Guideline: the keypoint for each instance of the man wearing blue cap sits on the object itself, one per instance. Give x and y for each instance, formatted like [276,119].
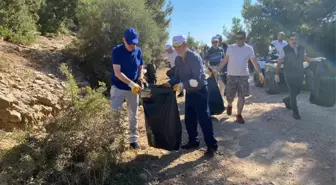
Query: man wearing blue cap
[189,75]
[127,62]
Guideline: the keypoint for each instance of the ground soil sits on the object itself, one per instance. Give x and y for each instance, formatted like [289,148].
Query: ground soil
[270,149]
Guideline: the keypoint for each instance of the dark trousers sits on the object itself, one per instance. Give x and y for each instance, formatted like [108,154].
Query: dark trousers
[197,110]
[294,86]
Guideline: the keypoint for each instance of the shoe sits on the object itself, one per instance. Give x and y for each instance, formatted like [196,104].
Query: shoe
[287,103]
[296,116]
[229,110]
[135,146]
[239,119]
[190,145]
[211,151]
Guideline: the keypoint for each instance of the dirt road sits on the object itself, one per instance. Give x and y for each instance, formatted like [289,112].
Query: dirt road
[270,149]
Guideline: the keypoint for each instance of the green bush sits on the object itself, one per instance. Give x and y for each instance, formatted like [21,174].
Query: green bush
[53,15]
[82,146]
[102,24]
[18,20]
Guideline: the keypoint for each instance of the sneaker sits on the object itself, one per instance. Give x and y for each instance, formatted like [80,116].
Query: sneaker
[296,116]
[135,146]
[287,103]
[211,151]
[190,145]
[239,119]
[229,110]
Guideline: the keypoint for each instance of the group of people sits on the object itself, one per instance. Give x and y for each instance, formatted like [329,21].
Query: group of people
[189,74]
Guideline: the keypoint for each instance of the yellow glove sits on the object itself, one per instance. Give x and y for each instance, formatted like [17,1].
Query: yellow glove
[143,80]
[134,87]
[178,87]
[166,84]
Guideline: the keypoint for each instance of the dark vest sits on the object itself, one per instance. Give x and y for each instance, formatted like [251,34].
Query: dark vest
[293,63]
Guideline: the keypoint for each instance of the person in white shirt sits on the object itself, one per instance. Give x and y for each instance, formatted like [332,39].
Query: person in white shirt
[237,57]
[280,43]
[170,55]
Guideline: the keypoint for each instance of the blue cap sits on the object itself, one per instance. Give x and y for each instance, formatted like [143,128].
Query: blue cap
[131,36]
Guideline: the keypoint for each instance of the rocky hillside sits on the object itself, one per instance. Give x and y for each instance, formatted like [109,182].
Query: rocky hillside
[31,87]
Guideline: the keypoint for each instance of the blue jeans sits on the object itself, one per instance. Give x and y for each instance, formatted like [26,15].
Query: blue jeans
[197,110]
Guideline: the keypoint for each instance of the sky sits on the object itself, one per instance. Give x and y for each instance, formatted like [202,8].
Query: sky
[203,18]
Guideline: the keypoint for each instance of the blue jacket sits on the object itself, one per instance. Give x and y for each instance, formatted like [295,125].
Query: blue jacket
[190,68]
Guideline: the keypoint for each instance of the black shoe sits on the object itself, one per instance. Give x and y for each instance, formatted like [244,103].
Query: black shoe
[211,151]
[135,146]
[190,145]
[287,103]
[296,116]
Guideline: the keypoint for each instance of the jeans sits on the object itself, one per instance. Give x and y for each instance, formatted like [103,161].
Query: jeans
[117,98]
[197,110]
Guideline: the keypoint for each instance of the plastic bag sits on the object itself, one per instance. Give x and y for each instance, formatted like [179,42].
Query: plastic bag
[163,124]
[324,88]
[216,104]
[323,93]
[151,74]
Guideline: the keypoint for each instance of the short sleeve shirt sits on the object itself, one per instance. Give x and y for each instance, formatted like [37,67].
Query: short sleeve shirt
[238,59]
[129,65]
[279,45]
[171,58]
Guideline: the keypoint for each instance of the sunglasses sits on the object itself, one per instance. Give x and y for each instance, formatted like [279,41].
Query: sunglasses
[240,38]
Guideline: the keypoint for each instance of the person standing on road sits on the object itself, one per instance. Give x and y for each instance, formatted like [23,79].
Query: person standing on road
[292,57]
[127,64]
[281,42]
[213,57]
[190,76]
[237,57]
[171,56]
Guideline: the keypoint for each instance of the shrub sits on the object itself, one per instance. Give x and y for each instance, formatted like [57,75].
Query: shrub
[102,24]
[18,20]
[81,147]
[53,15]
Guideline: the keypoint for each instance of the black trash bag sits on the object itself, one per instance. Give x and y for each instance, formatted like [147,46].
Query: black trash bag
[324,88]
[151,74]
[216,104]
[163,124]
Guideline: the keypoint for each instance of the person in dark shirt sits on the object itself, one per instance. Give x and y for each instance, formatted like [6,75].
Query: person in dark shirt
[292,57]
[213,57]
[222,44]
[190,76]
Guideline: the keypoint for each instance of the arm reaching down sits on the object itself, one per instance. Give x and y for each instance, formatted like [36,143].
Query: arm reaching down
[221,64]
